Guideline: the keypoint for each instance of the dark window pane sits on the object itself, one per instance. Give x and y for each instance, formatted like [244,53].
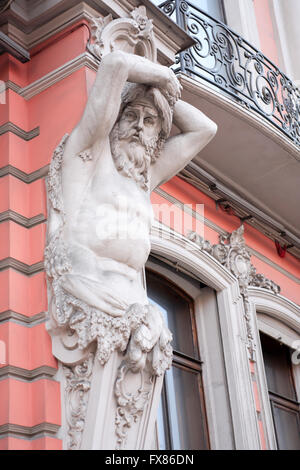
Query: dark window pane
[278,367]
[185,410]
[287,427]
[177,312]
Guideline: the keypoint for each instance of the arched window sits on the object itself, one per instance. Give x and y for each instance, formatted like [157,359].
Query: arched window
[282,393]
[182,418]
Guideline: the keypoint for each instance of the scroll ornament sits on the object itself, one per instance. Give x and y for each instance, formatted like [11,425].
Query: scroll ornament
[232,253]
[125,34]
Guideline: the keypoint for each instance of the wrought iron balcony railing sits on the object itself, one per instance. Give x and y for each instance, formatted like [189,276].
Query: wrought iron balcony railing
[231,63]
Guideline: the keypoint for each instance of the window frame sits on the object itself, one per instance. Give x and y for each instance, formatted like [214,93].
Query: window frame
[291,405]
[283,325]
[230,406]
[180,359]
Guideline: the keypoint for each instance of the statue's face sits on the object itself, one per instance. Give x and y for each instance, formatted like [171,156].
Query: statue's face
[140,119]
[135,140]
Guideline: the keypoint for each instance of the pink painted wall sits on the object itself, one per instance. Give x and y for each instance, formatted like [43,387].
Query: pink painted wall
[29,347]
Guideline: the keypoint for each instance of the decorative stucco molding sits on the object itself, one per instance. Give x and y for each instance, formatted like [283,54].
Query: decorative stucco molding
[24,268]
[76,398]
[232,253]
[82,60]
[130,406]
[134,35]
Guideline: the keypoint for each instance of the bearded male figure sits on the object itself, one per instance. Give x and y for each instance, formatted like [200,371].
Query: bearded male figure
[106,169]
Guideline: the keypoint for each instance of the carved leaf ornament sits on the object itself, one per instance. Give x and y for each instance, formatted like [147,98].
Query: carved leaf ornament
[133,35]
[232,253]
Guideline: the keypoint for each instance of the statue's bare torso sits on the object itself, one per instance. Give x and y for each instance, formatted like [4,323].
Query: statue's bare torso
[114,217]
[108,222]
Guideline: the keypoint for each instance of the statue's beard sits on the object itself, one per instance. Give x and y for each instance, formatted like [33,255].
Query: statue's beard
[133,158]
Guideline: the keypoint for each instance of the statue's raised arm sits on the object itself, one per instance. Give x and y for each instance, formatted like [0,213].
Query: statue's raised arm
[111,104]
[104,102]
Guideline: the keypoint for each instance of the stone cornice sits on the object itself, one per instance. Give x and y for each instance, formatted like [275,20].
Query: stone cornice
[28,431]
[21,175]
[21,220]
[42,372]
[31,28]
[21,319]
[9,45]
[25,135]
[23,268]
[12,86]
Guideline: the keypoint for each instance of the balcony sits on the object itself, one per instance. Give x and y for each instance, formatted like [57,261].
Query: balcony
[229,62]
[256,153]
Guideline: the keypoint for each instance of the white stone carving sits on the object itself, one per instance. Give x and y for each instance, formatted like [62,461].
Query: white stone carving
[100,216]
[97,26]
[76,399]
[129,405]
[232,253]
[133,35]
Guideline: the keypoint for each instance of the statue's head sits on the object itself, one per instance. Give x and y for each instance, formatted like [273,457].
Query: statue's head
[143,125]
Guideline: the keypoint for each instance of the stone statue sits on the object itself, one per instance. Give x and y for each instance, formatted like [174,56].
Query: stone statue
[99,187]
[98,240]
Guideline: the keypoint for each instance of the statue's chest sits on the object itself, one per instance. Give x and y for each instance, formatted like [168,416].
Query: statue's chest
[112,195]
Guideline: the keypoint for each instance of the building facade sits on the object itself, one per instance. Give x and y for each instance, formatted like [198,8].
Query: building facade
[225,245]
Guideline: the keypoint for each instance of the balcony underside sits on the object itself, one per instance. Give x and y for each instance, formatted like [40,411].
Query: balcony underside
[249,156]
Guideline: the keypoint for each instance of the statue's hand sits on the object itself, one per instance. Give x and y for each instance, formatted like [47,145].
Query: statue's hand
[171,86]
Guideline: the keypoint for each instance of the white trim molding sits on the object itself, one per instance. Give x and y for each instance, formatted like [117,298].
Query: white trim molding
[187,256]
[83,60]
